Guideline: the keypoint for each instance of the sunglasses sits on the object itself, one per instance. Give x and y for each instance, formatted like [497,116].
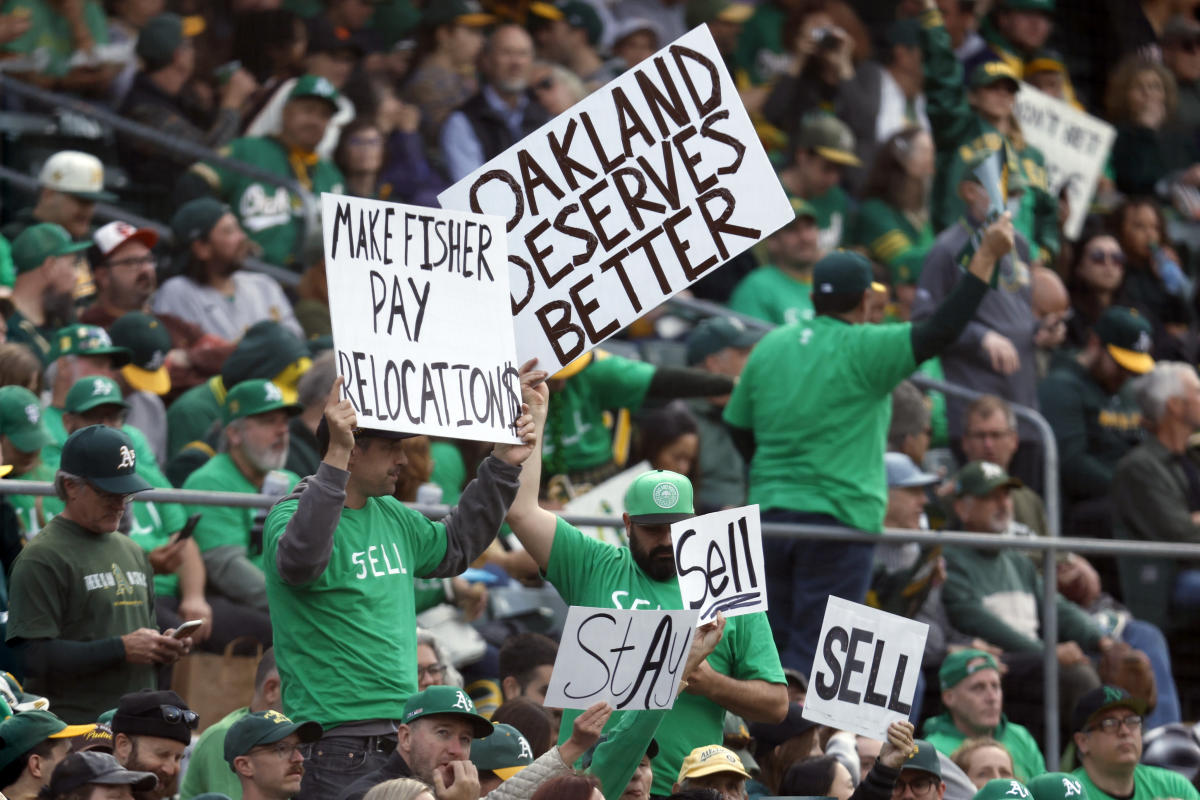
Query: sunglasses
[1100,256]
[173,715]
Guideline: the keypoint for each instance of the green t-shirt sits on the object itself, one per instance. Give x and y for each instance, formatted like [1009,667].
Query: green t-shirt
[773,295]
[1028,762]
[1149,783]
[51,33]
[587,572]
[221,526]
[69,583]
[449,471]
[357,618]
[207,769]
[891,238]
[817,396]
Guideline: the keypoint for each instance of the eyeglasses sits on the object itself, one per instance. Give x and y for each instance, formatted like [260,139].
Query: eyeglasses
[919,786]
[173,715]
[434,671]
[1100,256]
[138,261]
[1132,723]
[281,749]
[545,84]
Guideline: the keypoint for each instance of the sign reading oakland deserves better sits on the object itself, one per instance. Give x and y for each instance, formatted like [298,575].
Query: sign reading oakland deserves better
[633,194]
[418,298]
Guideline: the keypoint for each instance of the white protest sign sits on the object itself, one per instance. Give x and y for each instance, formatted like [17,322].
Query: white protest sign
[719,558]
[418,298]
[866,667]
[1075,144]
[605,499]
[630,659]
[634,193]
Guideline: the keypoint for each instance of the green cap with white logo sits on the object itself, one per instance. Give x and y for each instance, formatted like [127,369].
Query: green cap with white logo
[659,497]
[1003,789]
[315,86]
[446,700]
[92,391]
[981,478]
[88,340]
[1057,786]
[256,396]
[21,419]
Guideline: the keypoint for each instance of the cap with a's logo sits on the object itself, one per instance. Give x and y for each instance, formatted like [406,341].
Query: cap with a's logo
[659,497]
[21,419]
[1101,699]
[504,751]
[981,478]
[709,760]
[93,391]
[1126,336]
[317,87]
[148,340]
[446,700]
[265,727]
[88,340]
[255,396]
[73,172]
[103,457]
[1057,786]
[1003,789]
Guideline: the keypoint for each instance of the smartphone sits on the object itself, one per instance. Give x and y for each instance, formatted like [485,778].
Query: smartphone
[187,629]
[189,527]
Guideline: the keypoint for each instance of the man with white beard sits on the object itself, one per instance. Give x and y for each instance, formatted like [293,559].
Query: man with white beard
[254,448]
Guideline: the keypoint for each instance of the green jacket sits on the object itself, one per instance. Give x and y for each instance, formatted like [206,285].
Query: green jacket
[941,732]
[890,238]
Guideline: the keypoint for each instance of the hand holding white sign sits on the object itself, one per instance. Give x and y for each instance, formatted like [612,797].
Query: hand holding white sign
[719,558]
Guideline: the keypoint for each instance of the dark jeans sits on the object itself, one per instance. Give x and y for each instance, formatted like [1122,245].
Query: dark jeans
[801,575]
[332,763]
[230,621]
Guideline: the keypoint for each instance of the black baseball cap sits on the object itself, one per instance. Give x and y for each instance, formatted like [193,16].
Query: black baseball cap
[1101,699]
[105,458]
[95,768]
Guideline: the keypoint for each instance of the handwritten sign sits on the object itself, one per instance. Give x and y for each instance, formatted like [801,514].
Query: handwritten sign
[418,298]
[719,558]
[630,196]
[630,659]
[1075,144]
[865,673]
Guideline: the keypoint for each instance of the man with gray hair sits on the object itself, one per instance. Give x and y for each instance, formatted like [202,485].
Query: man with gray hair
[910,432]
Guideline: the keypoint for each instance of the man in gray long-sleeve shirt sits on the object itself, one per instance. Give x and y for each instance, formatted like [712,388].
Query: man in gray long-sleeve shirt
[340,554]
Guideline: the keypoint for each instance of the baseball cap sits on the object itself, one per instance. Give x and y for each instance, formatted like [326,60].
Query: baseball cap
[92,391]
[902,473]
[924,759]
[701,11]
[1126,336]
[960,665]
[163,713]
[265,727]
[148,342]
[104,458]
[802,208]
[256,396]
[73,172]
[318,87]
[659,497]
[504,751]
[456,12]
[579,14]
[21,732]
[829,137]
[99,738]
[1049,60]
[1057,786]
[1002,789]
[1101,699]
[980,478]
[195,218]
[21,419]
[708,760]
[91,767]
[446,700]
[325,37]
[88,340]
[541,9]
[162,36]
[38,242]
[1045,6]
[769,735]
[843,272]
[268,350]
[714,334]
[107,238]
[993,70]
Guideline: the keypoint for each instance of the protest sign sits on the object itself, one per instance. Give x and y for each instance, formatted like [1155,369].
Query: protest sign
[634,193]
[719,558]
[865,673]
[418,298]
[632,660]
[1075,144]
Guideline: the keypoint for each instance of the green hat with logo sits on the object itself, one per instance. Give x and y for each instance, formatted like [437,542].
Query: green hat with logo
[659,497]
[38,242]
[163,35]
[981,478]
[92,391]
[960,665]
[22,732]
[1003,789]
[580,14]
[104,457]
[149,342]
[318,87]
[267,350]
[21,419]
[504,751]
[255,396]
[88,340]
[994,70]
[924,759]
[1057,786]
[843,272]
[195,218]
[1044,6]
[1126,337]
[265,727]
[714,334]
[446,700]
[829,138]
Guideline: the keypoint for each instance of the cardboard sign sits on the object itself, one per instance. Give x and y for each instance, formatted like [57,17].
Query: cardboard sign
[719,558]
[634,193]
[630,659]
[1075,144]
[865,673]
[418,298]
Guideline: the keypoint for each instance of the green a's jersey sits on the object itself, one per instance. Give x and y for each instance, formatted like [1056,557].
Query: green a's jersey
[817,396]
[356,618]
[1149,783]
[70,583]
[891,238]
[221,526]
[271,215]
[771,294]
[1028,762]
[587,572]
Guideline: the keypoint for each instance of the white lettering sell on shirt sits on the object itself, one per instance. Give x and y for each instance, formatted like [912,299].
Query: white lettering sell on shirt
[375,560]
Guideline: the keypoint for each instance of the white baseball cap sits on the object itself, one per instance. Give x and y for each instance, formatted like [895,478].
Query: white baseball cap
[73,172]
[116,233]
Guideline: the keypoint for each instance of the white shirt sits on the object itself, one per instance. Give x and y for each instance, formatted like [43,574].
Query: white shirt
[255,298]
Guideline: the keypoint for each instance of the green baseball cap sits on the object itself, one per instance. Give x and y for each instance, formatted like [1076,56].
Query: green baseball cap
[92,391]
[659,497]
[88,340]
[148,340]
[714,334]
[104,457]
[1057,786]
[446,700]
[504,751]
[265,727]
[994,70]
[829,137]
[802,209]
[1126,337]
[255,396]
[21,419]
[38,242]
[579,14]
[924,759]
[1101,699]
[21,732]
[268,350]
[1044,6]
[843,272]
[981,478]
[195,218]
[318,87]
[163,35]
[456,12]
[1003,789]
[960,665]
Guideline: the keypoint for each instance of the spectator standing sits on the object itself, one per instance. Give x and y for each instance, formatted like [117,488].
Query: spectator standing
[264,749]
[43,299]
[824,148]
[151,730]
[781,292]
[35,742]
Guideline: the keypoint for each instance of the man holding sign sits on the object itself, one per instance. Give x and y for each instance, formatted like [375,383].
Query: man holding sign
[743,675]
